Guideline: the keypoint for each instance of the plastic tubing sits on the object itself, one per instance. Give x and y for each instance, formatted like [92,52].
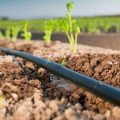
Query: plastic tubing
[99,88]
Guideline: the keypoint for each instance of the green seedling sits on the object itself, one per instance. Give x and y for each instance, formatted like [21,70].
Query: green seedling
[116,27]
[27,35]
[71,31]
[1,36]
[92,28]
[15,31]
[106,27]
[63,62]
[48,28]
[8,34]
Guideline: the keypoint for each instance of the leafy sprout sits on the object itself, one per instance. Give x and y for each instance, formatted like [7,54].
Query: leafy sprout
[1,36]
[48,28]
[15,31]
[27,35]
[67,27]
[92,28]
[63,62]
[8,34]
[70,6]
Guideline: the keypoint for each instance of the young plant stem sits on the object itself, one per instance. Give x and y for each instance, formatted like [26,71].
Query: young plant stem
[48,28]
[8,34]
[15,31]
[1,36]
[27,35]
[71,35]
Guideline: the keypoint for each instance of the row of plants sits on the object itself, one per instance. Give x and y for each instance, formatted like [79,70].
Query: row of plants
[99,26]
[68,26]
[13,32]
[90,25]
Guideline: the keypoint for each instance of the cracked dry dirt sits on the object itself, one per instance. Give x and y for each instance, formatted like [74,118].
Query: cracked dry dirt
[28,93]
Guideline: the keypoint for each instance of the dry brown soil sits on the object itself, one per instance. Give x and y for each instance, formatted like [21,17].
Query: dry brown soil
[28,92]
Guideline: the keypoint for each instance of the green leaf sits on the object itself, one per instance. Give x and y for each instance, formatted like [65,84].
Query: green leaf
[1,36]
[15,31]
[70,6]
[8,34]
[63,25]
[77,30]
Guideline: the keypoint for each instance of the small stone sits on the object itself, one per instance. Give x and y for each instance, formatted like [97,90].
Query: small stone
[116,112]
[30,65]
[53,105]
[70,114]
[34,83]
[110,62]
[108,114]
[42,72]
[1,74]
[1,93]
[63,101]
[99,117]
[15,96]
[87,113]
[17,82]
[49,113]
[2,113]
[78,106]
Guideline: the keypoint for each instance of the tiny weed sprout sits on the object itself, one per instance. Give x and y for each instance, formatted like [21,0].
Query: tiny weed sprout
[48,28]
[27,35]
[15,31]
[8,34]
[63,62]
[67,27]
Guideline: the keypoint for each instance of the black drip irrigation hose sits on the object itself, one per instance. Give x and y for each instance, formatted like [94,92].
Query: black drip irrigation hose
[101,89]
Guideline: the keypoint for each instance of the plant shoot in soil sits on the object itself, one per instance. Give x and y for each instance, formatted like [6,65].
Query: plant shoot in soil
[48,28]
[71,31]
[15,31]
[1,36]
[8,34]
[27,35]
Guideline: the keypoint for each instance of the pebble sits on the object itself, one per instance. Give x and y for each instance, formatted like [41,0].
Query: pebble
[108,114]
[99,117]
[116,112]
[42,72]
[1,74]
[70,114]
[15,96]
[30,65]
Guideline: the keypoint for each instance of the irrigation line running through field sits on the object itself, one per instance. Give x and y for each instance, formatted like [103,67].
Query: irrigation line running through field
[99,88]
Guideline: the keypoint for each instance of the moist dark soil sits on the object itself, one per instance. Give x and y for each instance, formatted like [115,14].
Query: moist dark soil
[28,92]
